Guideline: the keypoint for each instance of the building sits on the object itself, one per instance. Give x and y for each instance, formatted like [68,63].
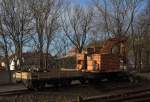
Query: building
[69,60]
[71,52]
[29,60]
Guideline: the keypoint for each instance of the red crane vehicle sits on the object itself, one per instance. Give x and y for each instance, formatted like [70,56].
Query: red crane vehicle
[92,65]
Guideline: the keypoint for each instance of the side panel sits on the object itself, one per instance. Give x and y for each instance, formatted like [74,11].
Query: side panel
[110,63]
[53,74]
[19,76]
[58,74]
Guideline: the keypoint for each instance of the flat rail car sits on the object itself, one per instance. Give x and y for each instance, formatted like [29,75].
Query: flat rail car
[53,77]
[109,62]
[59,78]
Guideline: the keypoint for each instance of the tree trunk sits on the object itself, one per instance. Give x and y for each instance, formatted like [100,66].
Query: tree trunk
[147,59]
[6,57]
[140,60]
[41,60]
[7,63]
[46,56]
[41,50]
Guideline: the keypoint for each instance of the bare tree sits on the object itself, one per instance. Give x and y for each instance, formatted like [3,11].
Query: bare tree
[77,24]
[17,23]
[4,43]
[118,16]
[140,40]
[45,15]
[60,45]
[52,26]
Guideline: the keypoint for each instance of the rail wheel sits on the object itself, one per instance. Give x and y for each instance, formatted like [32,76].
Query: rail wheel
[83,81]
[28,84]
[41,85]
[56,84]
[91,82]
[65,83]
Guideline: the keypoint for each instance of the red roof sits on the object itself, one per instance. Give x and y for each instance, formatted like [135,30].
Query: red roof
[30,54]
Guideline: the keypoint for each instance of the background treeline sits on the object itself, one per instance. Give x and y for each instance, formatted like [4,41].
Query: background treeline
[55,26]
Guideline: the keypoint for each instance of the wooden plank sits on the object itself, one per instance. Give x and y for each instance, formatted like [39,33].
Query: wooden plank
[79,66]
[80,56]
[90,68]
[90,62]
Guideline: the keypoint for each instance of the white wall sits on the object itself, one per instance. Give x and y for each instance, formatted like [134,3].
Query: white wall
[12,65]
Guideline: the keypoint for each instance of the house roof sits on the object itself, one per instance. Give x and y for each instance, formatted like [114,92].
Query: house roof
[30,54]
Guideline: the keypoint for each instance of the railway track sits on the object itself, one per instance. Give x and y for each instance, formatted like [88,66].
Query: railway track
[116,93]
[35,91]
[139,95]
[15,92]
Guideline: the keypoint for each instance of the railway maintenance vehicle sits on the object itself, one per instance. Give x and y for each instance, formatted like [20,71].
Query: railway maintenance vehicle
[92,65]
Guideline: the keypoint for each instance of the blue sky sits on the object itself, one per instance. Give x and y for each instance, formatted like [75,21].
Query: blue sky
[82,2]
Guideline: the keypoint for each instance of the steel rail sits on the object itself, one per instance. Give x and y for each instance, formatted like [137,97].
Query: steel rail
[135,95]
[15,92]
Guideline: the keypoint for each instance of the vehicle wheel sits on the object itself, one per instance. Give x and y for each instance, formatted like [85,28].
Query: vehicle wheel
[28,84]
[56,84]
[90,81]
[93,81]
[65,83]
[41,85]
[83,81]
